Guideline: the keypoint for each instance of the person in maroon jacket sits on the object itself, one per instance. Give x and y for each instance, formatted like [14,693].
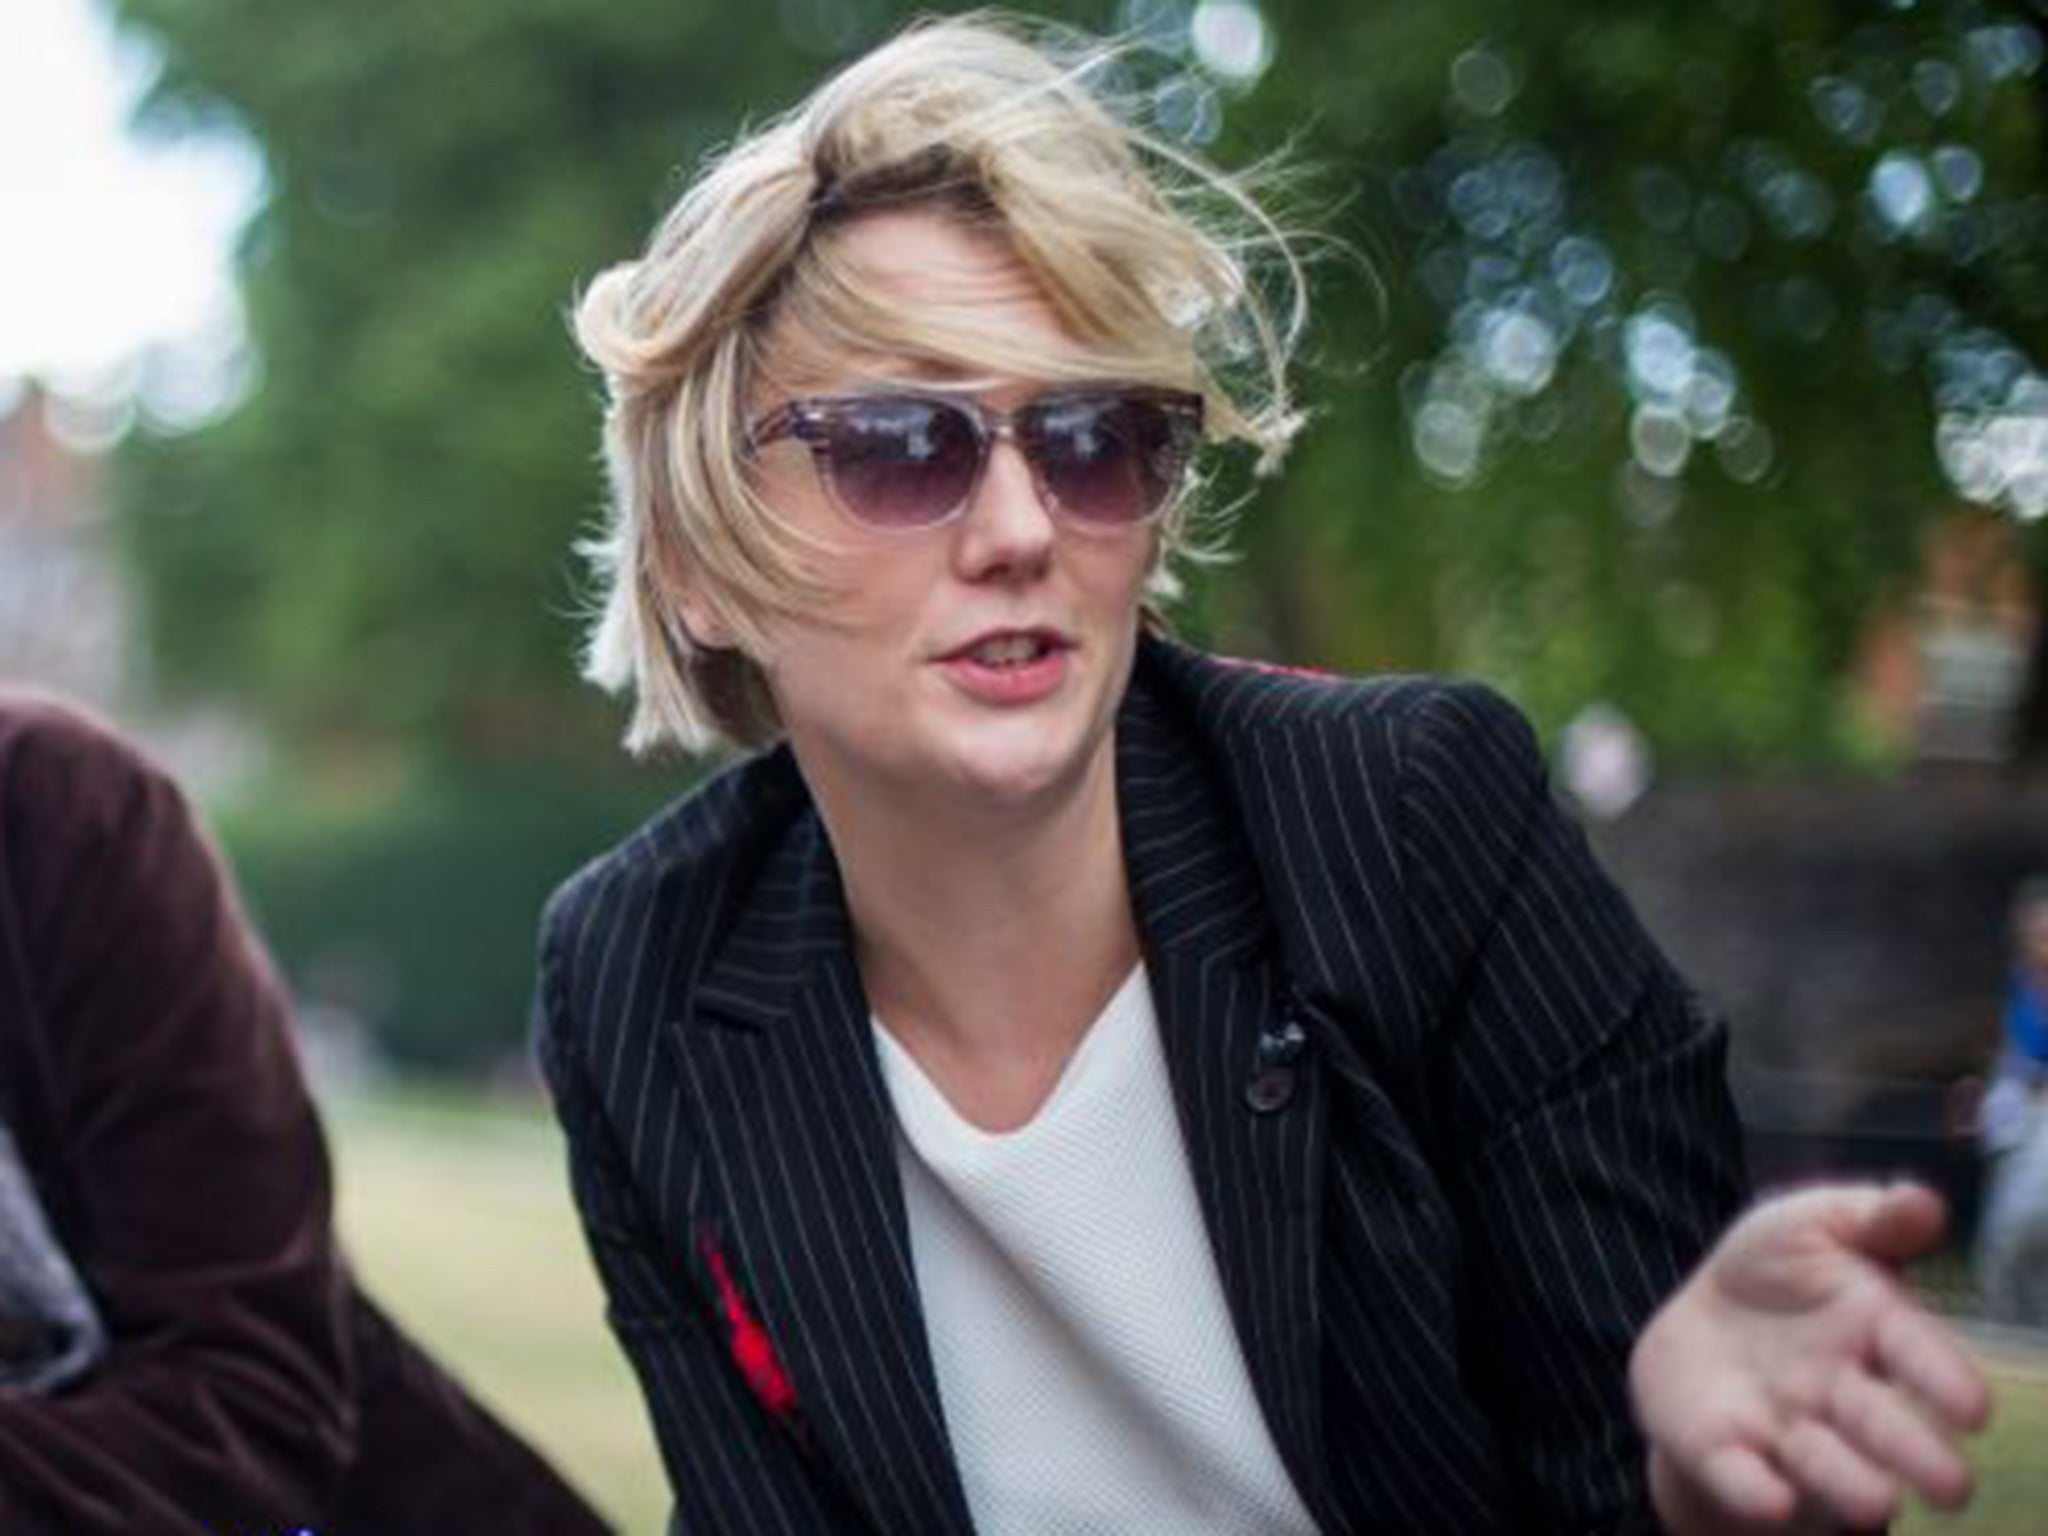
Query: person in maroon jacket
[182,1350]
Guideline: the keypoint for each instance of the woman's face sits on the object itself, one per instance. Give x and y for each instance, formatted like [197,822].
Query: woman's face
[910,684]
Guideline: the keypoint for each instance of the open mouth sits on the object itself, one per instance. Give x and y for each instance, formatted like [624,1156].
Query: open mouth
[1010,650]
[1011,666]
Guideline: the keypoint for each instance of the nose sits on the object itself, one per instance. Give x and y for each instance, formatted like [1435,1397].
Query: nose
[1007,530]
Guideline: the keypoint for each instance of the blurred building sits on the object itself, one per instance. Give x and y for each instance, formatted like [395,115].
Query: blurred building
[1942,673]
[67,608]
[64,612]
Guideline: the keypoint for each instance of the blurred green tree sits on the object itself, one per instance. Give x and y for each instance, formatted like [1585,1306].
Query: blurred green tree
[377,543]
[374,550]
[1682,321]
[1695,316]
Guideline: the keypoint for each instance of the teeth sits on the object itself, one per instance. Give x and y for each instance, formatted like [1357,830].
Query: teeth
[1008,651]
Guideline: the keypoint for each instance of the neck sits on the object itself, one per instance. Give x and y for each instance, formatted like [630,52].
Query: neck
[991,938]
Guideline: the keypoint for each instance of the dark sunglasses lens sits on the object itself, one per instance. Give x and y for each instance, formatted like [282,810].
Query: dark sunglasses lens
[1109,459]
[901,463]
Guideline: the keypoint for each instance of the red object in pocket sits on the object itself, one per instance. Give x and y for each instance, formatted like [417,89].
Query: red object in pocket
[748,1340]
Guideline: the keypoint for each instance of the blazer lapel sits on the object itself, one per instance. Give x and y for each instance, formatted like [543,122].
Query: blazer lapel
[807,1218]
[1256,1148]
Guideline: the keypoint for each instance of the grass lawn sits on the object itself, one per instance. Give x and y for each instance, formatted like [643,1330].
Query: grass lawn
[458,1218]
[2011,1459]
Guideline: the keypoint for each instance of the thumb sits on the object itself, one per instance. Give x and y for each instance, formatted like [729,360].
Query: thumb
[1898,1222]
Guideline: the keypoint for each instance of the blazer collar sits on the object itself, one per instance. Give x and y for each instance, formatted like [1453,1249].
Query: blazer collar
[1193,868]
[803,1143]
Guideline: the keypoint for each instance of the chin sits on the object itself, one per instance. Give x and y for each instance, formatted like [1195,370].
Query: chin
[1047,761]
[1003,781]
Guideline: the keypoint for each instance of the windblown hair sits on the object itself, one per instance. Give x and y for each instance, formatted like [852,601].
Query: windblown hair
[1157,263]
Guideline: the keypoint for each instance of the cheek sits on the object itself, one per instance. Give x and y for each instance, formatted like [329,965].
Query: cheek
[822,663]
[1117,575]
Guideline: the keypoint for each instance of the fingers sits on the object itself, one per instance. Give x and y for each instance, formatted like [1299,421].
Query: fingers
[1896,1223]
[1837,1475]
[1876,1421]
[1743,1484]
[1795,1371]
[1853,1464]
[1922,1354]
[1736,1493]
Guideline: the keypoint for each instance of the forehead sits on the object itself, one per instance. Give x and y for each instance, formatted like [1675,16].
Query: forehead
[919,292]
[926,257]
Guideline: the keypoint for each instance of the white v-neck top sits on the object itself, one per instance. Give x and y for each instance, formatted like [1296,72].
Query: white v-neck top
[1091,1378]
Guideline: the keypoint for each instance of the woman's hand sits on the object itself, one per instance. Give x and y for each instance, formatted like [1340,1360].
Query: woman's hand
[1793,1383]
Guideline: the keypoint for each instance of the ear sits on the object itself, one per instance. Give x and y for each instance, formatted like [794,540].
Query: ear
[701,622]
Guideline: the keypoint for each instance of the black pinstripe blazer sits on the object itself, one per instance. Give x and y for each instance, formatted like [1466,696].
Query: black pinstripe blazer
[1441,1207]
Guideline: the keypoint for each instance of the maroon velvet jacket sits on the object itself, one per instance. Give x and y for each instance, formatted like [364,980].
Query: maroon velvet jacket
[149,1078]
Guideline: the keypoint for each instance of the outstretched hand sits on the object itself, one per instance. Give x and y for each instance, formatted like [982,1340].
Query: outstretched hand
[1794,1383]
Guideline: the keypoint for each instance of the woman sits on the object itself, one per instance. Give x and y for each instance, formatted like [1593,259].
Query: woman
[1065,1082]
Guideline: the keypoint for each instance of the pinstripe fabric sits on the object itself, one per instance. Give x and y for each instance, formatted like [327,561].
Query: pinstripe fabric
[1507,1141]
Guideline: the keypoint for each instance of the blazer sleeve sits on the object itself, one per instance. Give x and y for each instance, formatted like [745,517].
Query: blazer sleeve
[643,1296]
[155,1089]
[1591,1145]
[727,1461]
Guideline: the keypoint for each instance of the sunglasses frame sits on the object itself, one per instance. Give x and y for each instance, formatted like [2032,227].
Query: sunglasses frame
[809,420]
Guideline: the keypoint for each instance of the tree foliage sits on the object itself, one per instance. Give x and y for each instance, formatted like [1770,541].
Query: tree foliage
[1676,324]
[378,541]
[1677,298]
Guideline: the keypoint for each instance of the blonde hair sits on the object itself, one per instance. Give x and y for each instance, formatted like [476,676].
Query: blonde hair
[1153,259]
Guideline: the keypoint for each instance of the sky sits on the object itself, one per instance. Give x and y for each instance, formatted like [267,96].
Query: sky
[110,245]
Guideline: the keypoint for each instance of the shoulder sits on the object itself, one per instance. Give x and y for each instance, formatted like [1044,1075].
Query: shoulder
[112,895]
[1352,790]
[682,872]
[69,780]
[1441,727]
[1346,786]
[60,751]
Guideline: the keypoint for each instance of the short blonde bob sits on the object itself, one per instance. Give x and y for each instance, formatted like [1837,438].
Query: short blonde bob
[1158,263]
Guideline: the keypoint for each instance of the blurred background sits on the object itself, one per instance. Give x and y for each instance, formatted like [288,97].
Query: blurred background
[1681,368]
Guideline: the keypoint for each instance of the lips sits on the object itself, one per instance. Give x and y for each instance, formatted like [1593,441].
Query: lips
[1007,667]
[1009,647]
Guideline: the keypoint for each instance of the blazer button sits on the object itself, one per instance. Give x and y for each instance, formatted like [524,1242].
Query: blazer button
[1282,1047]
[1271,1089]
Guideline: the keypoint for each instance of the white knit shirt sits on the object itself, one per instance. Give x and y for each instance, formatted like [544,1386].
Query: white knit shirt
[1091,1378]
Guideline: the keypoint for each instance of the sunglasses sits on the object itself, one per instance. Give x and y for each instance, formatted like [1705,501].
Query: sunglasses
[1101,459]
